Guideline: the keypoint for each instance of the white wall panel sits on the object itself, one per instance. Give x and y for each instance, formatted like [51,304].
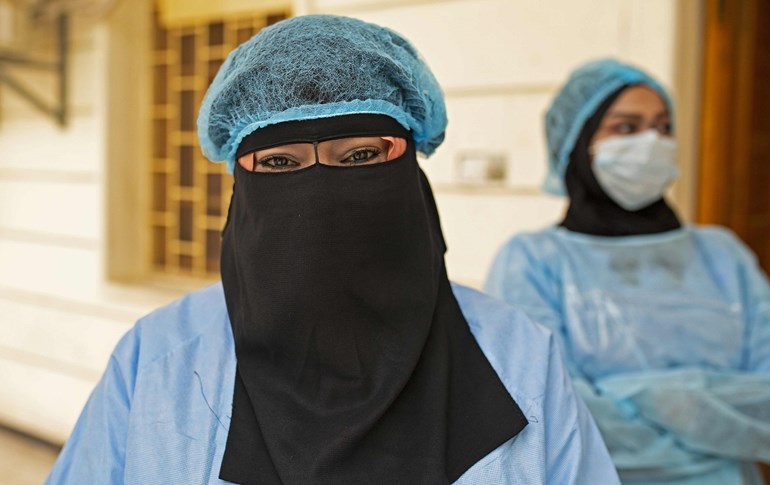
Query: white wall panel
[650,36]
[79,342]
[476,226]
[44,269]
[510,125]
[528,162]
[37,143]
[497,42]
[85,80]
[40,401]
[51,208]
[59,320]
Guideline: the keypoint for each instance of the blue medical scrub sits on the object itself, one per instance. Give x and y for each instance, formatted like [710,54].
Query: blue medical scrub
[161,412]
[667,337]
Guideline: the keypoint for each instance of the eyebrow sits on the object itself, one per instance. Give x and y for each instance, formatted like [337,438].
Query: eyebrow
[358,141]
[352,144]
[632,116]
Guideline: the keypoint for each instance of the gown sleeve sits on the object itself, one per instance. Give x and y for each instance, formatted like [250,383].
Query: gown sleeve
[517,277]
[561,444]
[575,451]
[95,451]
[757,303]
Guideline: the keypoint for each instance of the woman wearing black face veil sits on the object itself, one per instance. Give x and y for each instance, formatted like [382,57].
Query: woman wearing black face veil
[335,350]
[665,326]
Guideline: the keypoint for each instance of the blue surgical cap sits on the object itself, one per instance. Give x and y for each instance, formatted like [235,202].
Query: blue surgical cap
[585,90]
[319,66]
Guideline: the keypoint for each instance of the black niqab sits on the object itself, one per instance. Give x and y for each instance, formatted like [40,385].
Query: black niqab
[354,361]
[591,210]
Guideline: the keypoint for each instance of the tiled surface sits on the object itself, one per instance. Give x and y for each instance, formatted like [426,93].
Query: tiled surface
[23,460]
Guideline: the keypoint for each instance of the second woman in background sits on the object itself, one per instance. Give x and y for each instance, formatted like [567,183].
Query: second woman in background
[665,326]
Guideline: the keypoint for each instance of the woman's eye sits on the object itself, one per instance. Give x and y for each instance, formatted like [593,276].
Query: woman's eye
[362,155]
[624,128]
[278,162]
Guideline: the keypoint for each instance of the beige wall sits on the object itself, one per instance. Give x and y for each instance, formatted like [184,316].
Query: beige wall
[71,200]
[59,316]
[51,203]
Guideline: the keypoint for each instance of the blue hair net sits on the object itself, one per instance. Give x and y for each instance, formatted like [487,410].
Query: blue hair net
[586,89]
[319,66]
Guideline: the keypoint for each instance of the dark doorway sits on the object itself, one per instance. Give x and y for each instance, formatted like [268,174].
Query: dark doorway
[734,178]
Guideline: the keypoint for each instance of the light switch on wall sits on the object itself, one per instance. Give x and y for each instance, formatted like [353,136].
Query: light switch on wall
[479,168]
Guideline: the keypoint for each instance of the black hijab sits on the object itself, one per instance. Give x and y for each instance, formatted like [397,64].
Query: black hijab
[354,361]
[591,210]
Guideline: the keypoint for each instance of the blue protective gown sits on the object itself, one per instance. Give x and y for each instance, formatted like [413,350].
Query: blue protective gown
[161,412]
[667,337]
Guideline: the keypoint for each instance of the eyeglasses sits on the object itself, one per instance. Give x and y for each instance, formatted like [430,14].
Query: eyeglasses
[343,152]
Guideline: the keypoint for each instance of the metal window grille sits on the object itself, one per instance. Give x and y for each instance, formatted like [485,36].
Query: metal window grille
[190,195]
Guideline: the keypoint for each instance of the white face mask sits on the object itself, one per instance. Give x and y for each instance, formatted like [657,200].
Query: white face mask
[634,170]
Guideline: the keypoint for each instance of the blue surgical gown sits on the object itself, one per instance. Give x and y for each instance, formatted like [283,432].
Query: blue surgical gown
[161,412]
[667,338]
